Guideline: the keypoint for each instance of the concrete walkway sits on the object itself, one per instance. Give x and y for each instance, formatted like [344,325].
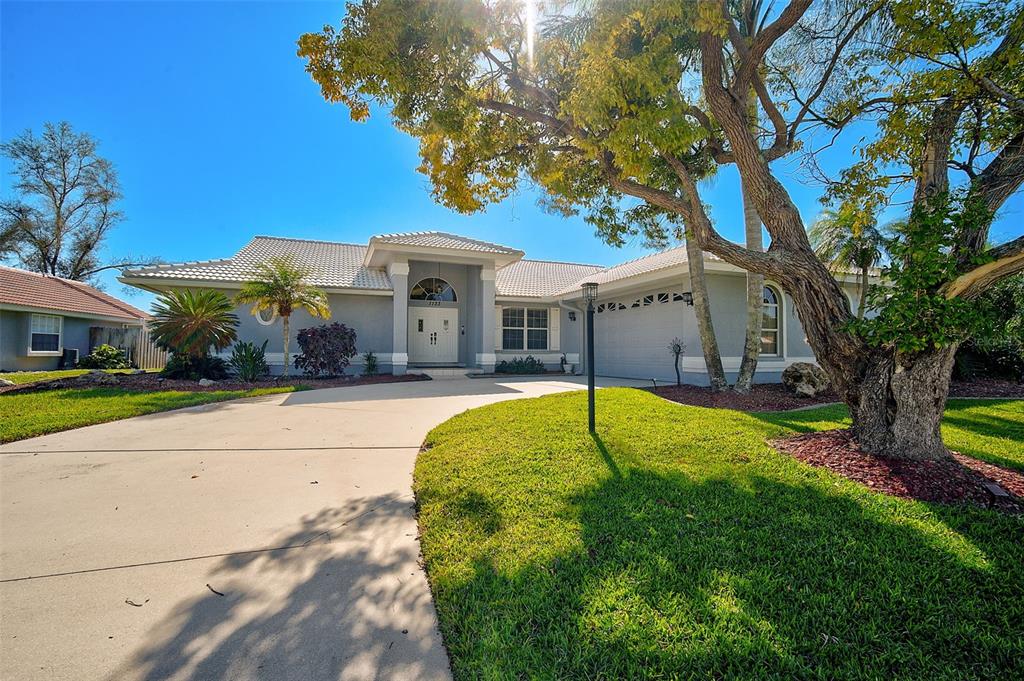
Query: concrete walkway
[270,538]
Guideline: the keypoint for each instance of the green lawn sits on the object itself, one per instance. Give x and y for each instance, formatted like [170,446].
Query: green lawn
[34,376]
[679,545]
[27,414]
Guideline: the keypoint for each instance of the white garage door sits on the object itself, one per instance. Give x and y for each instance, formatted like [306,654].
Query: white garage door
[631,335]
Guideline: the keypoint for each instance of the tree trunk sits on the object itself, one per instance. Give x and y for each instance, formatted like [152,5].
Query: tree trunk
[901,404]
[702,308]
[285,326]
[755,301]
[679,379]
[863,293]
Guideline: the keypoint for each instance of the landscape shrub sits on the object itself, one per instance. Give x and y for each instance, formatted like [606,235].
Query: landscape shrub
[187,367]
[326,350]
[249,361]
[520,365]
[105,357]
[370,364]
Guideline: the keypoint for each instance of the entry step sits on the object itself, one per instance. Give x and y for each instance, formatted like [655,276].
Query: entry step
[441,373]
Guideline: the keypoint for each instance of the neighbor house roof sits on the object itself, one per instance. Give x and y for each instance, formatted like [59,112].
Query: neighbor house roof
[39,291]
[332,264]
[540,278]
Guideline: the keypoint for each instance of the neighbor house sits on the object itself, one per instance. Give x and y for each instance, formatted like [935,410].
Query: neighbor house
[431,299]
[47,322]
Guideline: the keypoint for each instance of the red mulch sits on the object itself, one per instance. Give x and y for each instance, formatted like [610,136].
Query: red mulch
[954,481]
[775,396]
[763,397]
[152,382]
[986,387]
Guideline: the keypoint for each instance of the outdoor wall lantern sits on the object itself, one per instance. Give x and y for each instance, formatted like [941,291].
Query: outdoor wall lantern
[572,316]
[688,297]
[590,295]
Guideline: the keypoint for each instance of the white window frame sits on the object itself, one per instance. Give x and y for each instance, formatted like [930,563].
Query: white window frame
[60,336]
[779,321]
[526,328]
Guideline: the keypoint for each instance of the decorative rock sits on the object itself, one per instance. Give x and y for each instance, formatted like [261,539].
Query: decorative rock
[4,381]
[136,372]
[205,382]
[97,377]
[805,379]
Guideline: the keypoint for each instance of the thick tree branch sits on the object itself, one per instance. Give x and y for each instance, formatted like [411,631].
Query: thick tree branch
[1007,260]
[767,37]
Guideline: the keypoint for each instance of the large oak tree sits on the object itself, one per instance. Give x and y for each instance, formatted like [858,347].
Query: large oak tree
[618,109]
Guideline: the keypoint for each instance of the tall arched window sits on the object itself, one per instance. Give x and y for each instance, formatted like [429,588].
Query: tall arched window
[770,322]
[434,289]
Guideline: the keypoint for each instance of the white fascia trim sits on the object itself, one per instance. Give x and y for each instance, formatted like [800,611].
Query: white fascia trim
[154,284]
[733,363]
[130,321]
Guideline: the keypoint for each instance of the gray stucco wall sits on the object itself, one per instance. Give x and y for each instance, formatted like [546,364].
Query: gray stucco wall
[14,340]
[370,316]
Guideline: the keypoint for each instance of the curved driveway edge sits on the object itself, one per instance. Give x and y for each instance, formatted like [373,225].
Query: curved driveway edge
[266,538]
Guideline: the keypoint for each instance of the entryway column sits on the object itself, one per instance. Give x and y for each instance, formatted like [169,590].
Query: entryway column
[486,358]
[399,273]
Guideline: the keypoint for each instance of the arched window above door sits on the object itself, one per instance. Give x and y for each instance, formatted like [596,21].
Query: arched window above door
[434,289]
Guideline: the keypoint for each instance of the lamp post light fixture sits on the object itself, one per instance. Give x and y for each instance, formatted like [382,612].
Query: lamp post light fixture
[590,295]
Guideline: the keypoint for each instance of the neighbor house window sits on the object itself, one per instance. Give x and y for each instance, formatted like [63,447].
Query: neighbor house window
[45,333]
[770,322]
[524,328]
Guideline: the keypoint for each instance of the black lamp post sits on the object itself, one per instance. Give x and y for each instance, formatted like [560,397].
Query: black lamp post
[590,295]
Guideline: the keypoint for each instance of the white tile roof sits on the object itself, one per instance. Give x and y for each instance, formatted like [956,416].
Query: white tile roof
[339,265]
[538,278]
[333,265]
[662,260]
[444,240]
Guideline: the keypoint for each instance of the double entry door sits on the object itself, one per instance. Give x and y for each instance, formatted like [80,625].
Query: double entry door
[433,335]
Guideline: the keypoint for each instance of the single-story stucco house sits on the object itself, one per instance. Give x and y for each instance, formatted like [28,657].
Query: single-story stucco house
[42,317]
[432,299]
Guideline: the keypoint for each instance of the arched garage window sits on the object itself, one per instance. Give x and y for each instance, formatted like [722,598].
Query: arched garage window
[435,289]
[770,324]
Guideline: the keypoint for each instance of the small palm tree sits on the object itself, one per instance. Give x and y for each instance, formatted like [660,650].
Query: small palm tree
[190,322]
[843,240]
[279,284]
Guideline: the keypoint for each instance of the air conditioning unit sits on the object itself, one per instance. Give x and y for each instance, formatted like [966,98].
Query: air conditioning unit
[69,359]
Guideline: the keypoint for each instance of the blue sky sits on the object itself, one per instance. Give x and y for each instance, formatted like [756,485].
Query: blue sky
[218,134]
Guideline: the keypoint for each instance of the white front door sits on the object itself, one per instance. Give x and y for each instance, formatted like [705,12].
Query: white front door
[434,334]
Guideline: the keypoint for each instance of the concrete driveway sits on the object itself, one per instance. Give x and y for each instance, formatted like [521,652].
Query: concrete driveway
[270,538]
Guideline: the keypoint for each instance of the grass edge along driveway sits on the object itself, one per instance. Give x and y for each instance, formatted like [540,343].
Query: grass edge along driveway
[678,544]
[28,414]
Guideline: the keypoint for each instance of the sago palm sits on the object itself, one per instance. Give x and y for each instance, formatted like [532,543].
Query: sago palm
[190,322]
[280,285]
[844,242]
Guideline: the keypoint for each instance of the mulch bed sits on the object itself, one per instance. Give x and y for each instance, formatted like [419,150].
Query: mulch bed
[151,382]
[764,397]
[775,396]
[986,387]
[959,480]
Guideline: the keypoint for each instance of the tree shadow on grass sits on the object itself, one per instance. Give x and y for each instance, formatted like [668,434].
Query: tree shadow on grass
[350,603]
[743,575]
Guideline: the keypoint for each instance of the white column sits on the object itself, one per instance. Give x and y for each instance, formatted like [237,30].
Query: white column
[486,358]
[399,273]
